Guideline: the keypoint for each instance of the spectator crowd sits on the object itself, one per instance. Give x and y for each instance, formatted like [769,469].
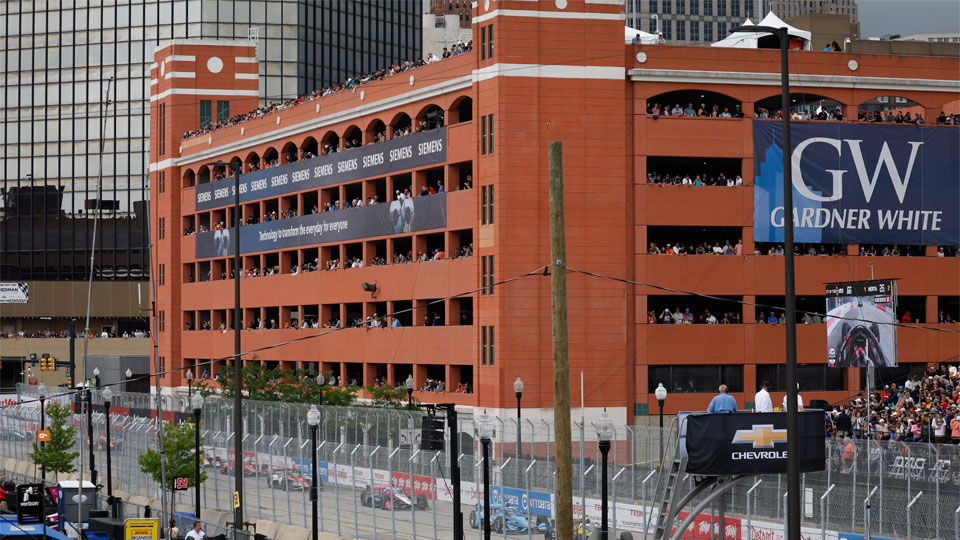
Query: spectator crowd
[696,180]
[6,334]
[924,408]
[351,84]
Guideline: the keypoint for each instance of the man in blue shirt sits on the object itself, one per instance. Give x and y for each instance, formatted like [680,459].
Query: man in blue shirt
[722,402]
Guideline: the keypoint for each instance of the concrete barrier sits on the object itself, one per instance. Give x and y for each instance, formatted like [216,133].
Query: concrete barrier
[267,528]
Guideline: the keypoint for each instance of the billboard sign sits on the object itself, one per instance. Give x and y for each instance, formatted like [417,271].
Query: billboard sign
[859,183]
[395,217]
[14,293]
[861,323]
[751,443]
[397,154]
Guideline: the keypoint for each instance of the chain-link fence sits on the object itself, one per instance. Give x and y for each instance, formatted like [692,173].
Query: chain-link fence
[367,456]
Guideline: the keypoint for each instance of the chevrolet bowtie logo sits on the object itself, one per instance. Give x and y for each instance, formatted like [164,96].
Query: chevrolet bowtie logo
[762,436]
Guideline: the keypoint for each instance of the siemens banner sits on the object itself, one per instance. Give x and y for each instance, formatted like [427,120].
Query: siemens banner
[398,154]
[859,183]
[394,217]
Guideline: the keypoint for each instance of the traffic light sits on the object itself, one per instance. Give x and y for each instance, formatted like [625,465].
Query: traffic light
[69,380]
[43,362]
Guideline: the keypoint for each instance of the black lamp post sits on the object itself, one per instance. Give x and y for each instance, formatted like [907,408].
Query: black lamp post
[409,383]
[313,419]
[237,362]
[518,389]
[605,432]
[107,396]
[661,394]
[42,393]
[789,289]
[129,374]
[96,377]
[485,429]
[189,376]
[197,401]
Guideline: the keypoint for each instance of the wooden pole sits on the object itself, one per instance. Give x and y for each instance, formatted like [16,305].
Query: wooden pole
[561,362]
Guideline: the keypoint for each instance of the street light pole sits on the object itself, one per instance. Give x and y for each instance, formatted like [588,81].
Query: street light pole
[189,376]
[237,363]
[107,396]
[93,470]
[661,394]
[518,389]
[96,377]
[197,401]
[789,290]
[313,419]
[485,430]
[605,432]
[42,393]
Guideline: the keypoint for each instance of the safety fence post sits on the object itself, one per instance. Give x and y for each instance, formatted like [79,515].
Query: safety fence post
[910,513]
[824,509]
[646,510]
[749,509]
[529,515]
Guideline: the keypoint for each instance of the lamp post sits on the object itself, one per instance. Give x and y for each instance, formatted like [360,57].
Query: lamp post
[96,377]
[237,378]
[42,393]
[661,394]
[197,401]
[605,432]
[129,374]
[189,376]
[409,383]
[313,418]
[518,389]
[789,289]
[107,396]
[485,430]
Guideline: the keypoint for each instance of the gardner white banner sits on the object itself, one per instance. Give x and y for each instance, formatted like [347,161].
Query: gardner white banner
[14,293]
[859,183]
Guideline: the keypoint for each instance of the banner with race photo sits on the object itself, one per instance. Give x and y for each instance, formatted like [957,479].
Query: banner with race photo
[859,183]
[381,159]
[395,217]
[861,323]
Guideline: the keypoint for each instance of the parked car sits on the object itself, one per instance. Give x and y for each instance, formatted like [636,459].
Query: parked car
[507,517]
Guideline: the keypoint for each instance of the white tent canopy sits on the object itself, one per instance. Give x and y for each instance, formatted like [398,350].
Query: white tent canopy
[751,40]
[645,37]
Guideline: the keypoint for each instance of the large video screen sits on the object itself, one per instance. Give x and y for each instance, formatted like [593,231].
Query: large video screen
[861,323]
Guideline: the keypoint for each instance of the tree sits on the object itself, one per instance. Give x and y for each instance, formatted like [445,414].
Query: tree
[389,397]
[55,456]
[261,383]
[179,445]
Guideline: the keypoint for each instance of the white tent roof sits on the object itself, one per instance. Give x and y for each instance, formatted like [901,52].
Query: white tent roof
[749,40]
[645,37]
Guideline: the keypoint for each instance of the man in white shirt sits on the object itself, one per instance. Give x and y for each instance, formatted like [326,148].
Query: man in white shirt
[196,533]
[762,401]
[799,401]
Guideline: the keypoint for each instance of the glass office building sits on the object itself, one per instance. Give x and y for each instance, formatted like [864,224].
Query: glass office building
[55,59]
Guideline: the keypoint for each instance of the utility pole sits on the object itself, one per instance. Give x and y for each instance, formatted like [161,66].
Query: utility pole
[561,362]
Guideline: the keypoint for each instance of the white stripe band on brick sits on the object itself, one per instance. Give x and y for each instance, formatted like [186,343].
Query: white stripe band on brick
[180,75]
[251,76]
[548,71]
[153,82]
[203,92]
[798,79]
[180,58]
[548,15]
[160,165]
[245,59]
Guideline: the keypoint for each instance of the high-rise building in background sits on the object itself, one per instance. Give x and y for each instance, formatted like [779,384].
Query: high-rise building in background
[706,21]
[56,58]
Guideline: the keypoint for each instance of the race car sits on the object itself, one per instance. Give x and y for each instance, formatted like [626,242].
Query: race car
[591,531]
[854,335]
[388,497]
[288,481]
[509,518]
[101,444]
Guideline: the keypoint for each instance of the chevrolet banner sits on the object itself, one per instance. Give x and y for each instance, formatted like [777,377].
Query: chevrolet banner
[751,443]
